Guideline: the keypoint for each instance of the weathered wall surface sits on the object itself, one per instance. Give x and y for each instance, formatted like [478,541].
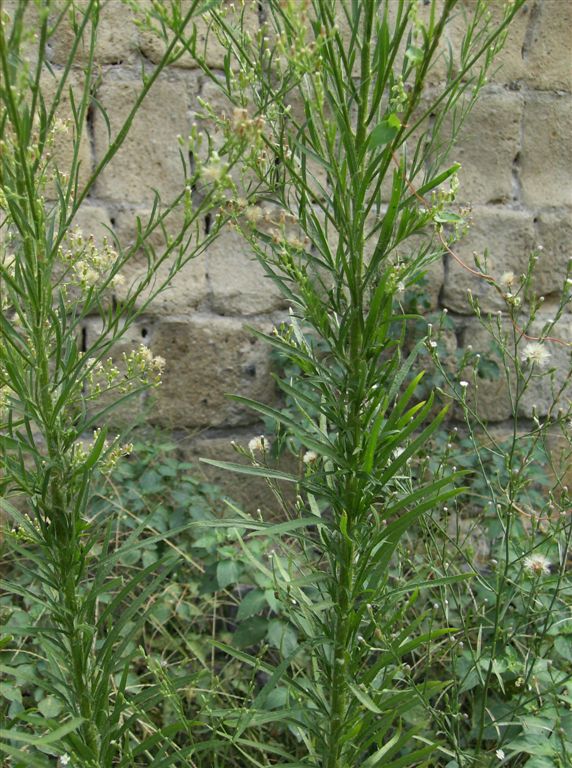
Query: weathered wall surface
[516,154]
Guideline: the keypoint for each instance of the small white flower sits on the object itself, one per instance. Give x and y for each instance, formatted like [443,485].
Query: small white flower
[433,344]
[117,280]
[65,760]
[258,444]
[500,754]
[507,279]
[537,565]
[310,457]
[400,286]
[464,384]
[215,170]
[535,354]
[253,214]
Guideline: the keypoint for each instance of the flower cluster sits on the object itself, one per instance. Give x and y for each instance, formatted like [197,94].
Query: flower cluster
[245,126]
[142,366]
[88,265]
[215,171]
[103,376]
[5,392]
[259,444]
[110,454]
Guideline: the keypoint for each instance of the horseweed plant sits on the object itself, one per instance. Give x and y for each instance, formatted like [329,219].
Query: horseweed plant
[511,664]
[343,164]
[57,389]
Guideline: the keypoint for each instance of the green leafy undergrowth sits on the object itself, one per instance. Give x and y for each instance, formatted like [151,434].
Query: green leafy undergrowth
[157,507]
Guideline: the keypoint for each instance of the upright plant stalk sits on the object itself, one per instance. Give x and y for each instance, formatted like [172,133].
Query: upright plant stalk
[55,435]
[333,104]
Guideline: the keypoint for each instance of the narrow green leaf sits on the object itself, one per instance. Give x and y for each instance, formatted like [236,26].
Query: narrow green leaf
[374,761]
[365,699]
[41,741]
[248,470]
[25,759]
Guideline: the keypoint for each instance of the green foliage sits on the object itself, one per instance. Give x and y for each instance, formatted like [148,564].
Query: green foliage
[148,623]
[340,136]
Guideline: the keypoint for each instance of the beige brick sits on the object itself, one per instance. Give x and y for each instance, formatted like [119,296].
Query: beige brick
[237,282]
[487,146]
[546,50]
[509,238]
[117,36]
[508,65]
[489,395]
[185,291]
[209,357]
[93,219]
[549,391]
[546,159]
[149,158]
[555,236]
[207,44]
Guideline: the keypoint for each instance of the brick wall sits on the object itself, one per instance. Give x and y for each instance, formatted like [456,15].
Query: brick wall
[516,153]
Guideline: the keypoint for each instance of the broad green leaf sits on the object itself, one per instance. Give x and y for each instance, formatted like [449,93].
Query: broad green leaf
[50,706]
[282,636]
[384,132]
[252,603]
[227,572]
[414,54]
[24,759]
[250,632]
[365,699]
[448,217]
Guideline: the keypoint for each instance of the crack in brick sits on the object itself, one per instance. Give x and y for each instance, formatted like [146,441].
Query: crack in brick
[533,22]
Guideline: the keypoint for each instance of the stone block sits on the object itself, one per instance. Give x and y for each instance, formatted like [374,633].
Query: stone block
[185,290]
[237,282]
[94,220]
[555,237]
[488,395]
[546,50]
[508,236]
[207,358]
[117,35]
[149,158]
[28,48]
[508,66]
[428,290]
[487,146]
[561,455]
[208,46]
[548,387]
[546,160]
